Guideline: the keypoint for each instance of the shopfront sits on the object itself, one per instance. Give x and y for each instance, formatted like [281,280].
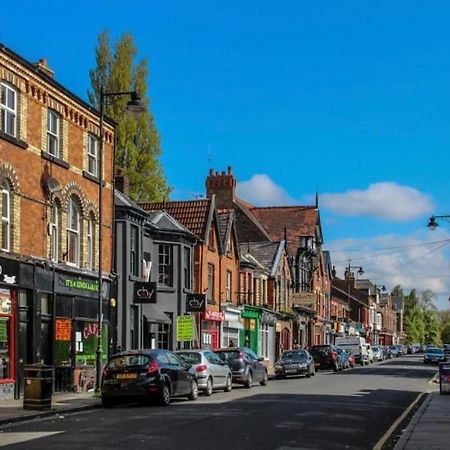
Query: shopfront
[210,329]
[9,271]
[76,330]
[249,336]
[231,327]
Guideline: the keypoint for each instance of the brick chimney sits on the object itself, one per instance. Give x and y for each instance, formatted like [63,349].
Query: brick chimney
[223,185]
[121,181]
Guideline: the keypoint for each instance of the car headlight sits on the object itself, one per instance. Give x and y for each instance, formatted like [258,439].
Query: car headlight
[278,366]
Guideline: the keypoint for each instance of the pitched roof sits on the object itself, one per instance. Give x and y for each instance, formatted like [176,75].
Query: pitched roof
[225,218]
[297,220]
[193,214]
[345,289]
[248,228]
[264,252]
[163,221]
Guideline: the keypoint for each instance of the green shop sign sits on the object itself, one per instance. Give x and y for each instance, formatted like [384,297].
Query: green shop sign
[72,285]
[185,328]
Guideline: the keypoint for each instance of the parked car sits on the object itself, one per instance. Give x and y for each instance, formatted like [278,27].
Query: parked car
[434,355]
[295,362]
[447,349]
[246,367]
[211,372]
[395,350]
[326,357]
[343,356]
[147,375]
[378,353]
[370,353]
[357,345]
[388,351]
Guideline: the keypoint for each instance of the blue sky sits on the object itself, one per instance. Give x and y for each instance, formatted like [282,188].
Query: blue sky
[348,98]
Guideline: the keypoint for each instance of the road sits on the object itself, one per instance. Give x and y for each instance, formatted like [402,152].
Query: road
[347,410]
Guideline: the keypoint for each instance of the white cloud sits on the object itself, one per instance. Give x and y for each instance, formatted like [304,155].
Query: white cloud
[384,200]
[414,261]
[260,190]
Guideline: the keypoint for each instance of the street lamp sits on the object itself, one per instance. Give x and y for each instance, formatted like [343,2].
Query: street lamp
[432,223]
[350,267]
[135,106]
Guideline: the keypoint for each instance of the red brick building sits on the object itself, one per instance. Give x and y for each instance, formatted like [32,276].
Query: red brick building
[50,226]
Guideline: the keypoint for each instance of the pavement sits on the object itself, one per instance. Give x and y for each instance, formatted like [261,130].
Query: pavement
[62,402]
[429,427]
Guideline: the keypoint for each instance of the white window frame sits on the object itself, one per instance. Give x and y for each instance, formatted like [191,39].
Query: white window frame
[90,242]
[53,133]
[6,217]
[73,215]
[54,224]
[92,150]
[8,111]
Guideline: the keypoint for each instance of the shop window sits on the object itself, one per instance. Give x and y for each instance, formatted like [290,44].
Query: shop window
[8,110]
[73,233]
[265,340]
[6,217]
[86,343]
[165,274]
[5,342]
[163,336]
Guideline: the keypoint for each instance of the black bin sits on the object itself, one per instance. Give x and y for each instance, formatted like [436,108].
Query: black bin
[38,387]
[444,377]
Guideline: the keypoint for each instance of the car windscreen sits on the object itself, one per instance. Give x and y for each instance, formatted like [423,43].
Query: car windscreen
[296,356]
[190,357]
[128,361]
[435,351]
[319,349]
[228,355]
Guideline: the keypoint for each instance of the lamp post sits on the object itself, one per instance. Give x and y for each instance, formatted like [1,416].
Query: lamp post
[134,106]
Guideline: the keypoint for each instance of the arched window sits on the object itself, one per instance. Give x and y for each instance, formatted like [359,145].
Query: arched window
[90,242]
[6,217]
[73,232]
[54,224]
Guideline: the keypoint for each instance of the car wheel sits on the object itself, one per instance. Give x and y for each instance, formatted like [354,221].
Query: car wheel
[209,387]
[107,402]
[193,395]
[249,381]
[313,370]
[228,384]
[308,373]
[164,395]
[265,379]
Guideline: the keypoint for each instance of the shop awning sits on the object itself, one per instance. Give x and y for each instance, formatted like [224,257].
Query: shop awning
[154,314]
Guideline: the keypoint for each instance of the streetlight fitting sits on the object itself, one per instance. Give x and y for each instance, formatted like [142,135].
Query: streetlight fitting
[360,271]
[135,106]
[432,224]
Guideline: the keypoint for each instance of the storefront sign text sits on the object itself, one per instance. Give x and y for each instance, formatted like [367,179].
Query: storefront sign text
[63,329]
[81,284]
[185,328]
[145,292]
[214,315]
[195,302]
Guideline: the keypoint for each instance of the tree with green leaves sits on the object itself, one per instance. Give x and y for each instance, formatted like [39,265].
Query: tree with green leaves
[444,317]
[138,145]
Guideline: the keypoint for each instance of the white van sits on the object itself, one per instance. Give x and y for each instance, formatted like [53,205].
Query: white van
[357,345]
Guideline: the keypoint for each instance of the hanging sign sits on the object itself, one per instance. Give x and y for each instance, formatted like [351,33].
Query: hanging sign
[195,302]
[5,301]
[144,292]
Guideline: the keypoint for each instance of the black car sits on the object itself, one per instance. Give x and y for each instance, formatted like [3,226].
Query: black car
[246,367]
[147,375]
[326,357]
[295,362]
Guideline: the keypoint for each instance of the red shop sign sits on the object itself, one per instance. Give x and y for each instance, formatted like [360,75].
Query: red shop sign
[214,315]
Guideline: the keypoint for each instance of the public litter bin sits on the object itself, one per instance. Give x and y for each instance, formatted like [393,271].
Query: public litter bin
[38,387]
[444,378]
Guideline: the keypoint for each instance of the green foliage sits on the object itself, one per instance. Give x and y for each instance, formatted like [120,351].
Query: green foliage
[444,317]
[138,145]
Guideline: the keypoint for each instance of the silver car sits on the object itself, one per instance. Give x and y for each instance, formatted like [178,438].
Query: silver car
[210,371]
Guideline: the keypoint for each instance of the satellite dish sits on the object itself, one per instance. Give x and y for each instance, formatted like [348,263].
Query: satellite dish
[52,185]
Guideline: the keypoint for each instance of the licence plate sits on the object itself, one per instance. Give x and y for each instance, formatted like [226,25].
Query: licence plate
[291,370]
[126,376]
